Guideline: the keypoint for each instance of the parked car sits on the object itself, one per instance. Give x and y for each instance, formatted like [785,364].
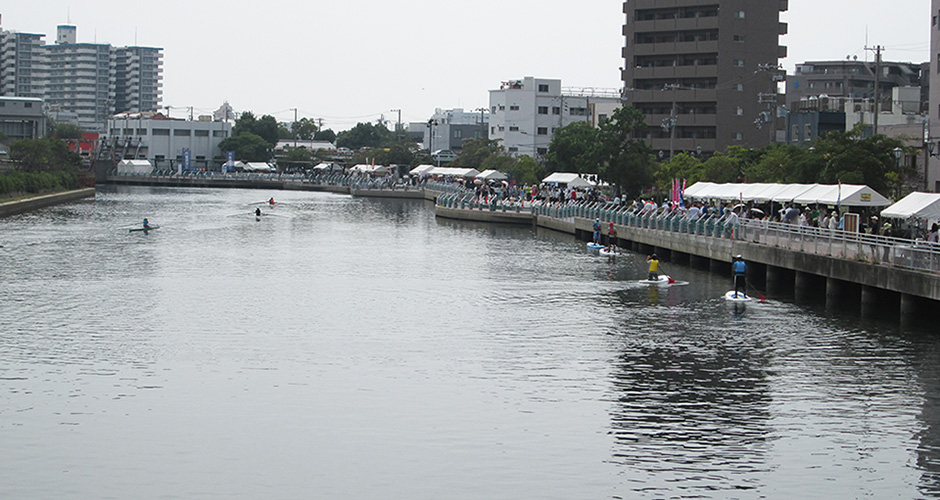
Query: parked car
[444,156]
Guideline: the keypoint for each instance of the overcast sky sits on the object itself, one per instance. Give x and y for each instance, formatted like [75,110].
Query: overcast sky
[353,60]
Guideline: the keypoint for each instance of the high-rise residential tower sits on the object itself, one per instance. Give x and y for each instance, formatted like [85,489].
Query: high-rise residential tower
[704,72]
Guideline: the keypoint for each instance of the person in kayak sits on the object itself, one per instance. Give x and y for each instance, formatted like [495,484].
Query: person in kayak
[271,201]
[258,212]
[654,267]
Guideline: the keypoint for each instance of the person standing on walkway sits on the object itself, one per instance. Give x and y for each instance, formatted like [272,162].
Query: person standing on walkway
[739,270]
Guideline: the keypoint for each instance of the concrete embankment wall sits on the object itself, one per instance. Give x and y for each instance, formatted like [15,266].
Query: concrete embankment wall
[485,215]
[17,207]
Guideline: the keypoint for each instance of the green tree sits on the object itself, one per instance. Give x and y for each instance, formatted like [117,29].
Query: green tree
[248,147]
[625,162]
[477,150]
[848,158]
[284,133]
[304,129]
[680,166]
[526,170]
[575,148]
[43,155]
[325,135]
[365,135]
[266,127]
[67,131]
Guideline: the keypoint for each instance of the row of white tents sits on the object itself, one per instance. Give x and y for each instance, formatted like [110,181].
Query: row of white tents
[852,195]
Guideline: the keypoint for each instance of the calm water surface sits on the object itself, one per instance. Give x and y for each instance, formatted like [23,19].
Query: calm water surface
[359,348]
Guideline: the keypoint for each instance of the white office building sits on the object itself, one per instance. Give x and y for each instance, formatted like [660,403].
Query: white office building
[163,141]
[525,114]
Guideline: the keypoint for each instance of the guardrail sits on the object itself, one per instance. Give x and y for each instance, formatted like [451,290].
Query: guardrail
[860,247]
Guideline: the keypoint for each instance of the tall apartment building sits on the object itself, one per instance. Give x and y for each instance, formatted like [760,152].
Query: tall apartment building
[704,72]
[525,114]
[87,80]
[932,137]
[22,68]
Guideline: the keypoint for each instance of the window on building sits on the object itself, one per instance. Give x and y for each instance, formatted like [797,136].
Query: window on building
[739,111]
[543,87]
[542,151]
[27,104]
[3,104]
[807,132]
[738,136]
[141,131]
[514,107]
[513,129]
[738,63]
[513,149]
[543,110]
[795,133]
[738,38]
[502,128]
[201,133]
[161,131]
[218,133]
[494,109]
[502,107]
[542,131]
[181,132]
[556,110]
[458,133]
[739,14]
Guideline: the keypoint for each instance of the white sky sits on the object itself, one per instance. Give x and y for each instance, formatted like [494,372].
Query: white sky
[353,60]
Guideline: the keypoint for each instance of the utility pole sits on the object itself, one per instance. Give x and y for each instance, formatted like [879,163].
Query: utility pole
[770,99]
[398,127]
[669,124]
[294,126]
[877,50]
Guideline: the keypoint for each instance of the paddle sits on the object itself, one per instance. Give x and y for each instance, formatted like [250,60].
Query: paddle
[671,281]
[760,295]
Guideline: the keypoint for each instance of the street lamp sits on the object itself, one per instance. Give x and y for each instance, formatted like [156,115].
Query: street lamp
[898,154]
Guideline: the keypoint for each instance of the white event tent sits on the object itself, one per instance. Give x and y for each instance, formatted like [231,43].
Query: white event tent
[568,179]
[920,205]
[370,169]
[421,169]
[134,167]
[852,195]
[454,172]
[492,175]
[256,166]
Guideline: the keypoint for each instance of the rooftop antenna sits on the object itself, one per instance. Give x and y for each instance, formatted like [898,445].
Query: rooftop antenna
[68,15]
[135,36]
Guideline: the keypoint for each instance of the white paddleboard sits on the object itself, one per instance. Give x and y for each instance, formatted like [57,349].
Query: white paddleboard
[594,246]
[609,253]
[662,280]
[737,297]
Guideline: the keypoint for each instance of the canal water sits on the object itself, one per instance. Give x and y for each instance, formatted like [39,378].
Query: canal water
[360,348]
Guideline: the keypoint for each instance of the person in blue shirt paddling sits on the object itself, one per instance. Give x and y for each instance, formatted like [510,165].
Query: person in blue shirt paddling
[597,231]
[146,223]
[739,269]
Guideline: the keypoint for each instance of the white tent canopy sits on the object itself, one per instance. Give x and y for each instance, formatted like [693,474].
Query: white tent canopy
[454,172]
[492,175]
[134,167]
[922,205]
[421,169]
[852,195]
[254,166]
[567,178]
[370,169]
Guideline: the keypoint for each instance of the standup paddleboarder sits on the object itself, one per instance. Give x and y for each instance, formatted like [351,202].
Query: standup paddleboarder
[654,267]
[597,231]
[739,269]
[146,223]
[611,237]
